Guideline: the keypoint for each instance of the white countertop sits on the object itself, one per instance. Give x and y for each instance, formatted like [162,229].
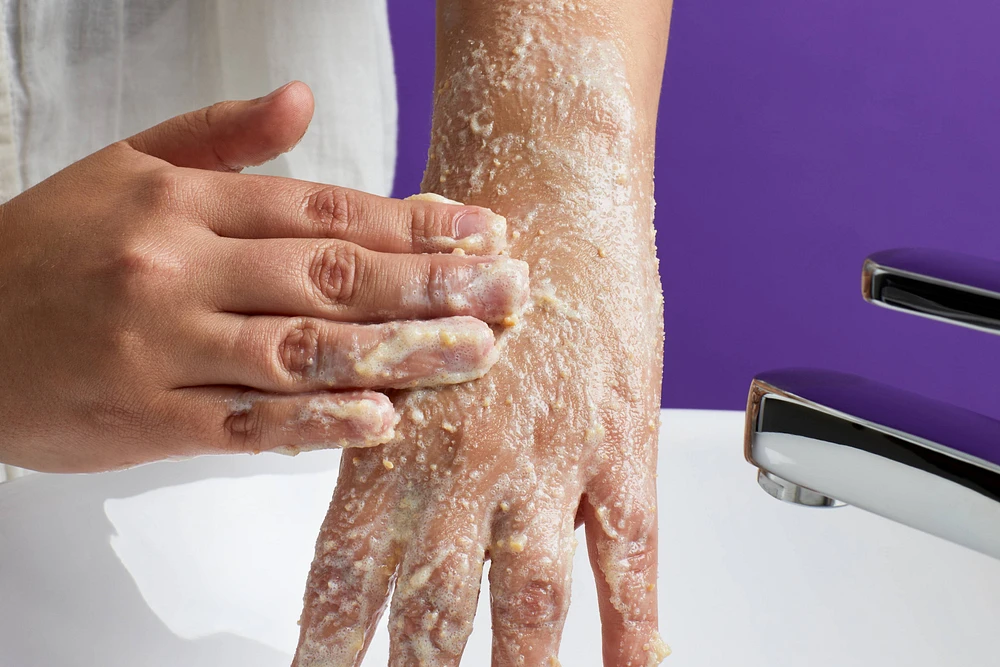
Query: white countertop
[202,564]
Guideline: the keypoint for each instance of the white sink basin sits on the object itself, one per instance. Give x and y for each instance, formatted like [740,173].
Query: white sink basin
[202,564]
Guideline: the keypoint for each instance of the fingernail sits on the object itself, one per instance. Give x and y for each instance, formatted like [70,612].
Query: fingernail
[477,230]
[471,222]
[274,93]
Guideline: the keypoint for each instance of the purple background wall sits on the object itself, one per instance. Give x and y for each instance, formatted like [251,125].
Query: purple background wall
[795,138]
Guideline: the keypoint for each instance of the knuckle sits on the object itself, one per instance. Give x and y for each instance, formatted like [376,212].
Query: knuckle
[424,227]
[141,269]
[634,577]
[298,351]
[540,602]
[163,189]
[199,123]
[204,124]
[160,190]
[639,559]
[333,209]
[438,280]
[334,273]
[243,428]
[127,412]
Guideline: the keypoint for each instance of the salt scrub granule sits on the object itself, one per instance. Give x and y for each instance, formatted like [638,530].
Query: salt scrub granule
[545,297]
[517,543]
[657,650]
[417,416]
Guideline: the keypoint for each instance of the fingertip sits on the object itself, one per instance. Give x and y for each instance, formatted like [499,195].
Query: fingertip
[287,113]
[493,289]
[475,353]
[451,226]
[639,645]
[509,280]
[367,417]
[479,231]
[296,98]
[446,351]
[467,335]
[358,419]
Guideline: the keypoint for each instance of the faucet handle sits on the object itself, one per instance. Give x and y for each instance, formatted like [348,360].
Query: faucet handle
[946,286]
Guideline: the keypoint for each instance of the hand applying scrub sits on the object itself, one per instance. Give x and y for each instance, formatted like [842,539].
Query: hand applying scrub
[155,302]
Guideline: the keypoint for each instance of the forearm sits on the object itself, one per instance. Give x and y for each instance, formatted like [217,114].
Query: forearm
[537,94]
[545,111]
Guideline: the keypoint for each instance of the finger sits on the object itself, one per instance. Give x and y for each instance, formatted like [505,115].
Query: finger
[620,520]
[532,553]
[228,136]
[226,420]
[341,281]
[268,207]
[351,575]
[279,354]
[438,588]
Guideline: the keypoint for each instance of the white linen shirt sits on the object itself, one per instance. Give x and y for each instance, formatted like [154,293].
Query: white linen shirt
[77,75]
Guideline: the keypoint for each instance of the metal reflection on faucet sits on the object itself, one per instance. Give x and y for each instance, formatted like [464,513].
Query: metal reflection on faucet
[820,439]
[944,286]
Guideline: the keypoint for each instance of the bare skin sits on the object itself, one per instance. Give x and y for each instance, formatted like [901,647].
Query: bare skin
[156,303]
[545,111]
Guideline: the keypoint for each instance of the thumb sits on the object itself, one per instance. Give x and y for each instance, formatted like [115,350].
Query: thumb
[228,136]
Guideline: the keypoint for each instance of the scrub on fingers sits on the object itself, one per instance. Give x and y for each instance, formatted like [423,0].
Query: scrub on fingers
[158,303]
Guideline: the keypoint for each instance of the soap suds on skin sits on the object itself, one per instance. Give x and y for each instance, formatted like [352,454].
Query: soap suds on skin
[464,346]
[348,419]
[490,290]
[405,354]
[498,448]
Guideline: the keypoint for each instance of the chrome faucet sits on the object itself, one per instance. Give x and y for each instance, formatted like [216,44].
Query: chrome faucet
[825,439]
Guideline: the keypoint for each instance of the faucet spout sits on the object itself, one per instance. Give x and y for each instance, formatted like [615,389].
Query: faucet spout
[824,439]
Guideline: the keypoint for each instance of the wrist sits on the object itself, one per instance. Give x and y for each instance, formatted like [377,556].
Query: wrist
[535,104]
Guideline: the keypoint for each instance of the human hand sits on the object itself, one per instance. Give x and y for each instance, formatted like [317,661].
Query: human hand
[544,111]
[563,426]
[154,303]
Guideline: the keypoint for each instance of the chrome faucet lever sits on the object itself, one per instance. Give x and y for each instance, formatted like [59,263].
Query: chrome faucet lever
[954,288]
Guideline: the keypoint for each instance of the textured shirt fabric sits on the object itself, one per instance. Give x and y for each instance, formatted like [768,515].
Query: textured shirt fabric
[77,75]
